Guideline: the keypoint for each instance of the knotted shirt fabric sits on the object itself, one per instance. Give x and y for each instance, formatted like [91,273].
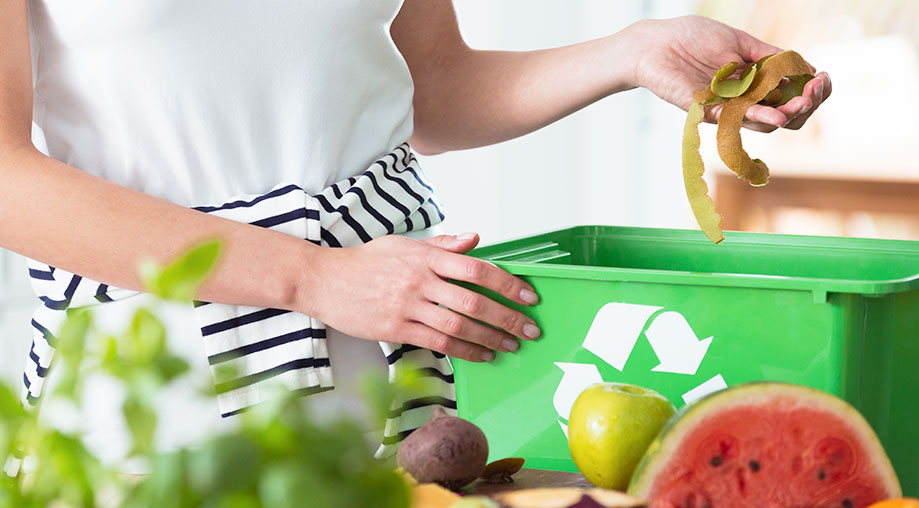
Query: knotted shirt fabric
[266,347]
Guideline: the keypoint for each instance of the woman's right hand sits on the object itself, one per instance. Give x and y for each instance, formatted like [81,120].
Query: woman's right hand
[396,289]
[676,57]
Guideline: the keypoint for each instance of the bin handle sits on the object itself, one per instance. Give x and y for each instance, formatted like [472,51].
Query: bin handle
[536,253]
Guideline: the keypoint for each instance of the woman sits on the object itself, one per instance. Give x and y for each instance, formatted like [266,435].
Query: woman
[151,108]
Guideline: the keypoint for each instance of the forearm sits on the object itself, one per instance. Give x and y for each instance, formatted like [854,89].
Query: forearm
[70,219]
[485,97]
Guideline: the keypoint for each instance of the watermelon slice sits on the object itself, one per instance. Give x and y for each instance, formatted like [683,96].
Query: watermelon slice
[766,445]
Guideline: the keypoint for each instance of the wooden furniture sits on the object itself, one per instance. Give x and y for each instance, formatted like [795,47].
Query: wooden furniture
[743,205]
[529,479]
[843,185]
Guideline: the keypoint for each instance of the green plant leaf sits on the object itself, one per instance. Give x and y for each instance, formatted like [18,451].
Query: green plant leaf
[165,486]
[145,340]
[141,420]
[279,456]
[238,500]
[66,473]
[381,394]
[180,279]
[73,333]
[227,463]
[110,361]
[384,488]
[71,346]
[287,485]
[170,366]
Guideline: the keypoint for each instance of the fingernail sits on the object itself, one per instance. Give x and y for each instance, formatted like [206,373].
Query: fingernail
[531,331]
[528,296]
[465,236]
[487,356]
[510,344]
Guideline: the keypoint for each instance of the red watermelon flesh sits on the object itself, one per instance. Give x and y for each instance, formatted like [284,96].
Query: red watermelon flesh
[766,445]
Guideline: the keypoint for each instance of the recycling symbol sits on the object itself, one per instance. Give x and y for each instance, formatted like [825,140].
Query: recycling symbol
[615,330]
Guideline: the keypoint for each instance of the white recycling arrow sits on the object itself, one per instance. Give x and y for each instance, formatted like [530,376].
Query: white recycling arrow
[712,385]
[675,344]
[576,377]
[613,334]
[615,330]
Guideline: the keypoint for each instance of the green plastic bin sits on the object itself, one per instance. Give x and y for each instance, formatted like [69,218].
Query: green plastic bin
[669,310]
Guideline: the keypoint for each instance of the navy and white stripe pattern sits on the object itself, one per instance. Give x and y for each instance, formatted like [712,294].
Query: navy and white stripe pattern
[265,347]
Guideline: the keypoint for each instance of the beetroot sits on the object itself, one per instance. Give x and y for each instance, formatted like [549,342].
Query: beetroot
[445,450]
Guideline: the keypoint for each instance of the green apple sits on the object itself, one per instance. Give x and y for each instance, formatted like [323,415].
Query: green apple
[610,427]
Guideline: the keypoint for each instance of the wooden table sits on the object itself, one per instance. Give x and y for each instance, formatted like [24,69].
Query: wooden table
[529,479]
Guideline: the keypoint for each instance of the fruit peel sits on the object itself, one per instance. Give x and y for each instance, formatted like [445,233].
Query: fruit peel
[568,497]
[502,471]
[702,206]
[431,495]
[772,80]
[905,502]
[726,88]
[730,146]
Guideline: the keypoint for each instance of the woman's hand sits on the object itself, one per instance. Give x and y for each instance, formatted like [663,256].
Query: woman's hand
[677,57]
[395,289]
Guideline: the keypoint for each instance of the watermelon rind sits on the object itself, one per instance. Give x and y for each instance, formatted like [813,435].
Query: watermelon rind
[683,423]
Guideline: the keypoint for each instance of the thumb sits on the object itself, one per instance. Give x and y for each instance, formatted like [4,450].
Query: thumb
[459,244]
[752,49]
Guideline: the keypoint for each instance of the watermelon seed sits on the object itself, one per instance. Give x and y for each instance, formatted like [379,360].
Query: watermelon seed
[847,503]
[821,475]
[754,466]
[716,461]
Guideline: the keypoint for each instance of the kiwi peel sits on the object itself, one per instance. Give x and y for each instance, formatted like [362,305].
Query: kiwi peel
[773,81]
[724,88]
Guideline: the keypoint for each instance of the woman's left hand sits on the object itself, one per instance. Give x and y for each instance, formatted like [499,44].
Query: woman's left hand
[679,56]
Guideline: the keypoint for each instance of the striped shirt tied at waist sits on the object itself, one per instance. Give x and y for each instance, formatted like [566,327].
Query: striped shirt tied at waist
[266,347]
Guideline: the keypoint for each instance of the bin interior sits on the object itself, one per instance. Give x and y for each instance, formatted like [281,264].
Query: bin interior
[780,256]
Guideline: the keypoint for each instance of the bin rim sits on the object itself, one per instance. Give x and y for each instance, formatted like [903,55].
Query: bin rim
[495,252]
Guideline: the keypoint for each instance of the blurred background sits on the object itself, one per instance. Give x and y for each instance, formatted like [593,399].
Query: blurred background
[848,172]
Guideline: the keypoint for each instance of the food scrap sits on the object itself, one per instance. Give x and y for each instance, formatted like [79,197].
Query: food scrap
[502,471]
[446,450]
[568,497]
[772,81]
[816,450]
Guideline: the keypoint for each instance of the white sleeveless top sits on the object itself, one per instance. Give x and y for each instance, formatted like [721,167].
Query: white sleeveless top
[196,101]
